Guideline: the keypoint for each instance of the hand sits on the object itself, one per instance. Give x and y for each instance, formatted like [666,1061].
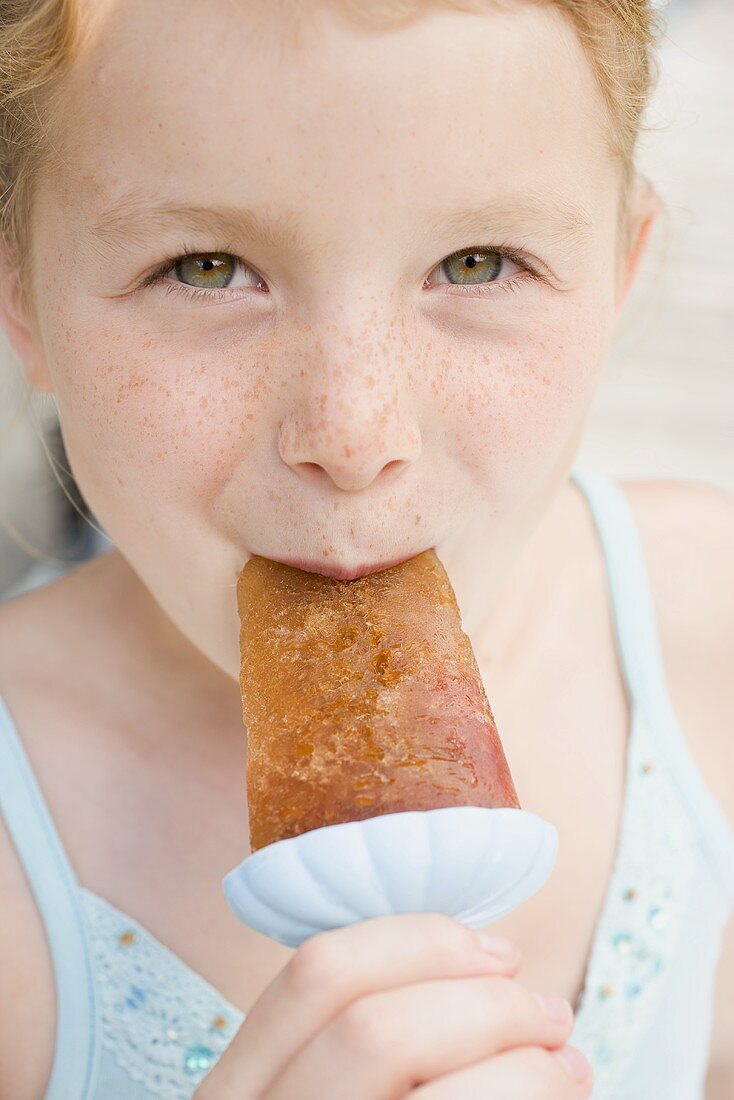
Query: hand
[393,1007]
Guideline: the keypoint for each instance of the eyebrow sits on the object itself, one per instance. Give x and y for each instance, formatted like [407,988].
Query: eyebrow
[563,220]
[133,219]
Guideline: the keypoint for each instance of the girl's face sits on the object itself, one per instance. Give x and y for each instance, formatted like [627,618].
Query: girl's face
[397,279]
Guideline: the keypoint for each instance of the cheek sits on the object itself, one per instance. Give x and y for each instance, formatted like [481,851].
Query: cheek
[520,399]
[154,422]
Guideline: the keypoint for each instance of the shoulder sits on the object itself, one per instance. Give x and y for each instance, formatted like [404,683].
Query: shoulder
[700,514]
[687,533]
[46,646]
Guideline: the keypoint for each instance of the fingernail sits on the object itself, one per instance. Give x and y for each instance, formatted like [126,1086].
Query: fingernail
[556,1007]
[499,946]
[574,1063]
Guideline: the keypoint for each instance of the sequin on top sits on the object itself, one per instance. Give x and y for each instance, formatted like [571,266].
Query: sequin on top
[165,1025]
[134,1022]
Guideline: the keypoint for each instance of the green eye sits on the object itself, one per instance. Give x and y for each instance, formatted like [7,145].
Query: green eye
[473,268]
[206,270]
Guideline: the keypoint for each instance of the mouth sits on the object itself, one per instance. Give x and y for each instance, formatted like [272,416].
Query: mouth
[342,572]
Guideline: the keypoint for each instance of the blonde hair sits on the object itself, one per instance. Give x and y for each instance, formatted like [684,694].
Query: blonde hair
[39,40]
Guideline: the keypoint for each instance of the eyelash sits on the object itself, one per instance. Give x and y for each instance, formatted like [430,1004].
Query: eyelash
[219,294]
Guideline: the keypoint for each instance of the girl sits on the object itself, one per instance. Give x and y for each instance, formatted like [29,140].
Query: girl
[334,283]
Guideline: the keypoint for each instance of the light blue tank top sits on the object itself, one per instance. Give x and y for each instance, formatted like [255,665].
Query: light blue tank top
[135,1022]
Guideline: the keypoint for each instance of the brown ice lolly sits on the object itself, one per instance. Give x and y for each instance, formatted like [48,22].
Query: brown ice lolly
[360,698]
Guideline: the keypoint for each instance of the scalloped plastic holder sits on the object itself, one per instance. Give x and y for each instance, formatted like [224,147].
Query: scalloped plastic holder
[470,862]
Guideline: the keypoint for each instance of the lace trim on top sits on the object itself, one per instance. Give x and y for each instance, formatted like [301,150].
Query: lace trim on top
[164,1023]
[640,925]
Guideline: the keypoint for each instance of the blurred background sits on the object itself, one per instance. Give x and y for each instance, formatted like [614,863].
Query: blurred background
[665,407]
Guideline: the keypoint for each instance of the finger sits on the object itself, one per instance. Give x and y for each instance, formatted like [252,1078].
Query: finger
[384,1044]
[524,1073]
[333,969]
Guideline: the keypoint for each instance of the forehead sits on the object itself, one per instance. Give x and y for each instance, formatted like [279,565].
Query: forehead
[214,100]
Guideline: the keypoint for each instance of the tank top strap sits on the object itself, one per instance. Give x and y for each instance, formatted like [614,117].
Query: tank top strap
[55,888]
[640,658]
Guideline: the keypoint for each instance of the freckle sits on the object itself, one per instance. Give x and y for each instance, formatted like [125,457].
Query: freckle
[417,520]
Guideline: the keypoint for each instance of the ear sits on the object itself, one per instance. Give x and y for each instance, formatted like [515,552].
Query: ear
[20,327]
[644,206]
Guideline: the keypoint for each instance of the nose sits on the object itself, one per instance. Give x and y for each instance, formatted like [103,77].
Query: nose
[349,435]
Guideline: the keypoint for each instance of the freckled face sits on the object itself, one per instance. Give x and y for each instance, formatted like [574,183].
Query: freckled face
[368,378]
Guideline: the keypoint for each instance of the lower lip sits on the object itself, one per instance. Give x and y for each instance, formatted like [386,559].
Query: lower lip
[340,573]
